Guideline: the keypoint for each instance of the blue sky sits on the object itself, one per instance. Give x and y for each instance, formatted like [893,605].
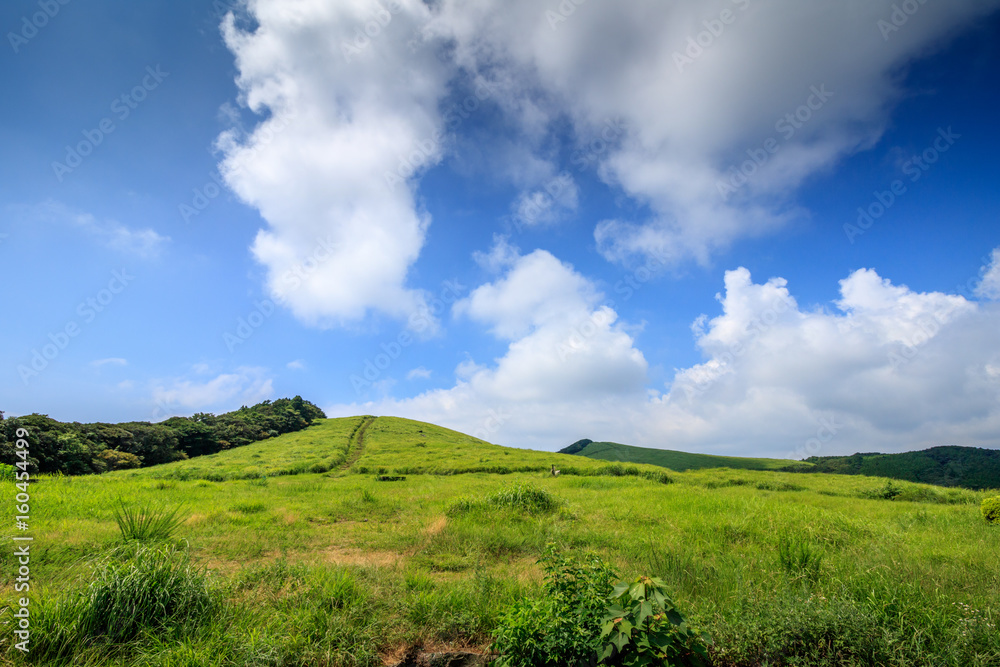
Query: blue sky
[522,220]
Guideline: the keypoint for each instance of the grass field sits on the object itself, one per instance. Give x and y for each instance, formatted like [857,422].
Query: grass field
[278,565]
[680,461]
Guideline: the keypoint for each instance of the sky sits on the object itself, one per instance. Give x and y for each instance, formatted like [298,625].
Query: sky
[741,227]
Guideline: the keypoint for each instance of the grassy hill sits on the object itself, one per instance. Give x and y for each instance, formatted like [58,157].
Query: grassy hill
[666,458]
[290,552]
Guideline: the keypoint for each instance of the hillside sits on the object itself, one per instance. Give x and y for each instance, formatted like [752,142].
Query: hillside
[666,458]
[292,551]
[969,467]
[382,445]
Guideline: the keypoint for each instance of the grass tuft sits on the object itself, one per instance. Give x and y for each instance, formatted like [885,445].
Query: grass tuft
[146,522]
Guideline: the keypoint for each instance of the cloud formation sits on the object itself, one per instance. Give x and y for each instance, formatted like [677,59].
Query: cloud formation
[714,140]
[349,91]
[358,100]
[883,368]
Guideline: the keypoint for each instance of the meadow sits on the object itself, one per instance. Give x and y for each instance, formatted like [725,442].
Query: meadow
[290,552]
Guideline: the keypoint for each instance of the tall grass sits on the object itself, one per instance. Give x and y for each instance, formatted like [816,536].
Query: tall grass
[518,497]
[136,590]
[146,522]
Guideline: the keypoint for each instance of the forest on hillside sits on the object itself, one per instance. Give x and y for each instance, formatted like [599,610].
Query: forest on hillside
[81,449]
[969,467]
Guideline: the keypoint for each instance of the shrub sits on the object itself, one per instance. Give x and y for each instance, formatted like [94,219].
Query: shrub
[991,510]
[8,473]
[643,628]
[146,522]
[562,628]
[116,460]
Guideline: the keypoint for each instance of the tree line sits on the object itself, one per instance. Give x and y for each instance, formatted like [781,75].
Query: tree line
[82,449]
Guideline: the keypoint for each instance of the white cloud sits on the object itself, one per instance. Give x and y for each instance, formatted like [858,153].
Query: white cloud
[346,111]
[989,286]
[666,130]
[419,373]
[884,369]
[297,365]
[567,357]
[144,243]
[324,168]
[226,391]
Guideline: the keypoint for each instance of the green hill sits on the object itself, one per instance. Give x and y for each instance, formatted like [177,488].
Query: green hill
[969,467]
[379,445]
[666,458]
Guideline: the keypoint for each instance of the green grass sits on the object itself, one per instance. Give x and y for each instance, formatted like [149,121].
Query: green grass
[335,568]
[679,461]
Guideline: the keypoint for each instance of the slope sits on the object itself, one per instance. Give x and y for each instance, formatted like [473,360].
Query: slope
[382,445]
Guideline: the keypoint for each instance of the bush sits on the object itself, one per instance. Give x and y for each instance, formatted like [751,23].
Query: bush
[643,628]
[991,510]
[116,460]
[562,628]
[8,473]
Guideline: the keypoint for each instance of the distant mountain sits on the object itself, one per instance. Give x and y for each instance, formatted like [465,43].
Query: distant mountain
[679,461]
[969,467]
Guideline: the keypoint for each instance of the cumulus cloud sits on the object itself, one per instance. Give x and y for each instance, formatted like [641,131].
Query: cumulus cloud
[888,369]
[350,93]
[707,114]
[567,356]
[695,91]
[883,368]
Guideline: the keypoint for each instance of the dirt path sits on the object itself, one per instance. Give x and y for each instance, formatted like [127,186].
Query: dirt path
[357,444]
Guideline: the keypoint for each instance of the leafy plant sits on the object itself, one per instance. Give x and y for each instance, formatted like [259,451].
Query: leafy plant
[146,522]
[991,510]
[560,629]
[7,473]
[642,628]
